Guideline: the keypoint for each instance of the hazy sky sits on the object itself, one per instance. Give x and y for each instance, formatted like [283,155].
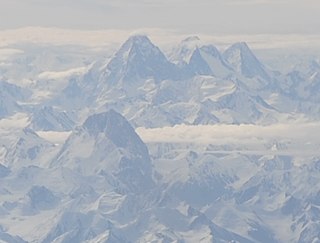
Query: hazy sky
[193,16]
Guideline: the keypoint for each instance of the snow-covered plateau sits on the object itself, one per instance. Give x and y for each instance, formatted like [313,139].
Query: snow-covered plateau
[191,144]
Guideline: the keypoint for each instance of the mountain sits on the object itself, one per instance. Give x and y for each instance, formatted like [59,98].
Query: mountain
[199,59]
[28,149]
[110,146]
[197,65]
[48,118]
[129,84]
[171,101]
[207,60]
[10,95]
[241,58]
[297,91]
[244,107]
[78,93]
[138,58]
[181,54]
[197,147]
[15,91]
[213,57]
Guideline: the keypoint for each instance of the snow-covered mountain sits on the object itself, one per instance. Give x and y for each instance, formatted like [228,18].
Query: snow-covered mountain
[181,54]
[215,61]
[10,96]
[169,100]
[110,146]
[241,58]
[140,81]
[49,119]
[27,150]
[197,145]
[199,59]
[138,58]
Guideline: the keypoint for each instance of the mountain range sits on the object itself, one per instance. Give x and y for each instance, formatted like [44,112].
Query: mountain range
[75,168]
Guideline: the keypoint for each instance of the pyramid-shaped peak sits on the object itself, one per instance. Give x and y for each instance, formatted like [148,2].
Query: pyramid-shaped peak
[114,126]
[138,39]
[140,43]
[139,59]
[110,145]
[99,122]
[240,46]
[211,49]
[243,60]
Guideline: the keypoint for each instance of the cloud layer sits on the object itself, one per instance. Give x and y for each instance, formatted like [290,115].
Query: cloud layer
[295,138]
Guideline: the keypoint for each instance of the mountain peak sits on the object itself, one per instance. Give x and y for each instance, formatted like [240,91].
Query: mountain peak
[243,60]
[198,64]
[138,58]
[212,50]
[191,39]
[241,49]
[114,126]
[141,42]
[98,123]
[138,39]
[207,60]
[241,45]
[137,43]
[111,146]
[182,54]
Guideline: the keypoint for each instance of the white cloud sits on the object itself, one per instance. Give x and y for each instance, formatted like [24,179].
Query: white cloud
[63,74]
[296,138]
[207,133]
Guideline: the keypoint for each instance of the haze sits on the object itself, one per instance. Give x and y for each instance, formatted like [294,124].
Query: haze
[205,16]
